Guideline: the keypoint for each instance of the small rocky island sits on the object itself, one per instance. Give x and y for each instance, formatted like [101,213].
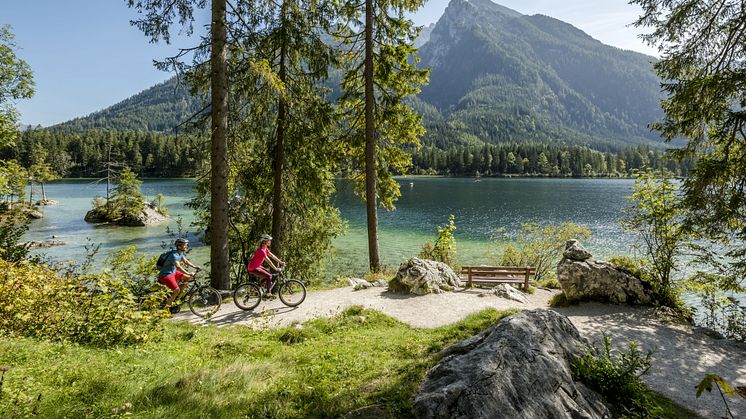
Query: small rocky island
[147,215]
[127,207]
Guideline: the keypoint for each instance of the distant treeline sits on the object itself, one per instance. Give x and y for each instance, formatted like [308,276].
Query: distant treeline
[158,155]
[87,154]
[540,160]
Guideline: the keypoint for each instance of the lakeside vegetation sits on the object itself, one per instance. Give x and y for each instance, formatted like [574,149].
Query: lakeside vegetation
[112,357]
[322,368]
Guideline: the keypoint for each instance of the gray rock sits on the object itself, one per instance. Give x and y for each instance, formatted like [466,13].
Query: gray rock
[359,284]
[35,214]
[509,292]
[47,202]
[601,281]
[519,368]
[380,283]
[43,244]
[575,251]
[422,276]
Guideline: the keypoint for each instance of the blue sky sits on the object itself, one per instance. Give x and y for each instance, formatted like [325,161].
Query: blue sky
[85,55]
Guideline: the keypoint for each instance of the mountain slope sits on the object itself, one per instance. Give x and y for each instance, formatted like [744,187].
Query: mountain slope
[157,109]
[496,76]
[508,76]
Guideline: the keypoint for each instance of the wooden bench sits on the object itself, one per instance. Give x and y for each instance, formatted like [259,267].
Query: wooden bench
[493,275]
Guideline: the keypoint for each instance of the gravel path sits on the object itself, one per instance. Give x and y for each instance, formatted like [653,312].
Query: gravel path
[683,354]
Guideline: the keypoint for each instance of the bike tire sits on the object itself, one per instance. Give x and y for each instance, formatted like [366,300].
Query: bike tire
[204,301]
[292,293]
[247,296]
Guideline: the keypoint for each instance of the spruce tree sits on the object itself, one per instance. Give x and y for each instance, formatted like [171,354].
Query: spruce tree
[380,73]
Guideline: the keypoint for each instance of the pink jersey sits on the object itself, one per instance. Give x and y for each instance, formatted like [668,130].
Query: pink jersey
[259,256]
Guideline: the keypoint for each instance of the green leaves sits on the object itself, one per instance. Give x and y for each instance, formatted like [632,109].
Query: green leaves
[16,82]
[655,216]
[703,45]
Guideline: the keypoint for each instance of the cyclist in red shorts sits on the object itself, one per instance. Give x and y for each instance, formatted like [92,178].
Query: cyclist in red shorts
[262,253]
[173,275]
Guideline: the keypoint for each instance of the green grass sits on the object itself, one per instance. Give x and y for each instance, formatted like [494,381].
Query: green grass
[667,409]
[322,368]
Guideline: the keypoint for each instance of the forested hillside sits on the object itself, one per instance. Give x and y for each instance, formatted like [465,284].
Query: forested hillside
[500,76]
[500,81]
[160,108]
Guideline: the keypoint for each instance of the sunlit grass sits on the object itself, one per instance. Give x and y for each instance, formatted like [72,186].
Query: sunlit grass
[322,368]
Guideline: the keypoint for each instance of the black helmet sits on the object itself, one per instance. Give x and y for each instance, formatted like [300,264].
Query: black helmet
[266,237]
[180,241]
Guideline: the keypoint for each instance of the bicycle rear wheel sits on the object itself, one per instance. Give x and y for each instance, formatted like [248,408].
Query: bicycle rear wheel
[247,296]
[292,292]
[204,301]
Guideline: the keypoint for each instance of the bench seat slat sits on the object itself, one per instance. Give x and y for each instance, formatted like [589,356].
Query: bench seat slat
[497,275]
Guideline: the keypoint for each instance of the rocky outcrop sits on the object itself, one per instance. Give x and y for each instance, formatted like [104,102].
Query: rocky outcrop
[422,276]
[46,202]
[582,277]
[519,368]
[509,292]
[361,284]
[149,215]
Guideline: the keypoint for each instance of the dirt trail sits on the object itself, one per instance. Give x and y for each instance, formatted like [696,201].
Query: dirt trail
[683,354]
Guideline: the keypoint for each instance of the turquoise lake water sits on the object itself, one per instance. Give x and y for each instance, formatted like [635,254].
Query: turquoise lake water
[480,207]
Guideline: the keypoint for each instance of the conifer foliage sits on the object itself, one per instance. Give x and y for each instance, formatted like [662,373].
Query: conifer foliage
[703,63]
[380,72]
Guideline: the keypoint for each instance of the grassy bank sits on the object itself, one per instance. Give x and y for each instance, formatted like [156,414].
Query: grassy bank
[325,368]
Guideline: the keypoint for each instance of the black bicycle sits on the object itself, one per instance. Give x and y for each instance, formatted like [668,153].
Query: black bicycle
[248,295]
[202,299]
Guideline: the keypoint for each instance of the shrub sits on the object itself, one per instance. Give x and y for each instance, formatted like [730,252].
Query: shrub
[444,248]
[12,227]
[561,300]
[616,376]
[541,246]
[549,280]
[36,301]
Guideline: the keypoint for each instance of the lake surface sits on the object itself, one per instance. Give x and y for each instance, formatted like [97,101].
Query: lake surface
[480,207]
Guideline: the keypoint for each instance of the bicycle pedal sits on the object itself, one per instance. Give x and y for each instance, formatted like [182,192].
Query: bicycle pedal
[174,309]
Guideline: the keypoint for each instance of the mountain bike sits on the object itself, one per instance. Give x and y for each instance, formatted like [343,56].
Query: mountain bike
[249,294]
[202,299]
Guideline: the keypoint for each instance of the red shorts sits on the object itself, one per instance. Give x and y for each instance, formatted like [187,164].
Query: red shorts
[261,273]
[170,280]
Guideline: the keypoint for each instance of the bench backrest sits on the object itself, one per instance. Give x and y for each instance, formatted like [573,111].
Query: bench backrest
[497,270]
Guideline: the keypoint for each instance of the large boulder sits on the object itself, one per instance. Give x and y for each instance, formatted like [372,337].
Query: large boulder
[519,368]
[421,276]
[583,277]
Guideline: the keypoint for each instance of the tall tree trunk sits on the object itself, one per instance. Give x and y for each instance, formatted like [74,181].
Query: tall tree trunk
[219,257]
[43,192]
[371,201]
[279,158]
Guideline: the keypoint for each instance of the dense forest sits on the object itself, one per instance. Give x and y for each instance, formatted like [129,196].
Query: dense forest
[159,155]
[87,154]
[533,159]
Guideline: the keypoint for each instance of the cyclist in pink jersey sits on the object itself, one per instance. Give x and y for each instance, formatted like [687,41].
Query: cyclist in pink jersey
[262,253]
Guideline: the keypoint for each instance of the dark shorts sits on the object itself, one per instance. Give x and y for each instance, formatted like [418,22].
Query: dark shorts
[170,281]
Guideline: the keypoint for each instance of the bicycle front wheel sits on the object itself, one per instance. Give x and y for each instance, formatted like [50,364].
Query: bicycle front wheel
[292,293]
[204,301]
[247,296]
